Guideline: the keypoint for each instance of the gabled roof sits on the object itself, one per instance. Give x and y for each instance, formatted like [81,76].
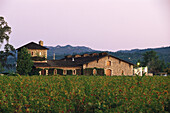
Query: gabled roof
[32,45]
[76,63]
[85,60]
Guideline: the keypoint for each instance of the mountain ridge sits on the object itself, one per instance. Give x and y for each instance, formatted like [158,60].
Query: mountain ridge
[140,50]
[129,55]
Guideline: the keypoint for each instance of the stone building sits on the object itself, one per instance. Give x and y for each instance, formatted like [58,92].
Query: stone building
[37,51]
[86,64]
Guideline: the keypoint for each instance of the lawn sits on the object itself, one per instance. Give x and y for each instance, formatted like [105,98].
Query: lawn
[84,94]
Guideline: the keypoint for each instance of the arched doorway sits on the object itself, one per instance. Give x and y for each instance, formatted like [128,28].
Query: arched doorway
[55,71]
[94,72]
[43,72]
[108,72]
[122,72]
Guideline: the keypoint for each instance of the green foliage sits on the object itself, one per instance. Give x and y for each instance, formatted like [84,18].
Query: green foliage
[51,71]
[35,71]
[1,68]
[149,57]
[153,62]
[88,71]
[24,62]
[5,30]
[82,94]
[167,69]
[9,50]
[78,72]
[13,74]
[100,71]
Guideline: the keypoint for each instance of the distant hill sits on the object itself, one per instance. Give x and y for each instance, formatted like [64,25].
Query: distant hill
[61,51]
[162,50]
[128,55]
[135,54]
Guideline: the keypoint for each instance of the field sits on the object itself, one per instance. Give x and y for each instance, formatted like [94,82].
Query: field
[84,94]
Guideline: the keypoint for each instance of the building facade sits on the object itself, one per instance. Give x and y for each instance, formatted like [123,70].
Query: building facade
[86,64]
[111,65]
[38,51]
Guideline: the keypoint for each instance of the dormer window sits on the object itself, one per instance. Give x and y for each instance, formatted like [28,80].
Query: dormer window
[108,63]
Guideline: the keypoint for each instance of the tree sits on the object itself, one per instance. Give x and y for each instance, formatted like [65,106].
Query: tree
[1,68]
[24,62]
[9,50]
[167,69]
[151,60]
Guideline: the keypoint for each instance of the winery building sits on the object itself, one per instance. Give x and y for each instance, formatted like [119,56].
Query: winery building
[86,64]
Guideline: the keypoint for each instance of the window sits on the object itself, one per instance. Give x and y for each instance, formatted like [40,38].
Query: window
[108,72]
[108,63]
[40,53]
[74,72]
[32,53]
[65,72]
[122,72]
[55,72]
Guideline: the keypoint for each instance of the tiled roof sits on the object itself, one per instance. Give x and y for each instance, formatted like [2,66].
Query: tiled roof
[84,60]
[32,45]
[57,63]
[76,63]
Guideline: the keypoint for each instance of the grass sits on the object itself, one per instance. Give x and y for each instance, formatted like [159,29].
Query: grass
[84,94]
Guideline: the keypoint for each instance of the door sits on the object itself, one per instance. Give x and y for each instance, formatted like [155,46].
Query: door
[43,72]
[94,72]
[108,72]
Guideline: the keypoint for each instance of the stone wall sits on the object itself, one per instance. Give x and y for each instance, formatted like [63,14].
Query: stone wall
[117,67]
[38,52]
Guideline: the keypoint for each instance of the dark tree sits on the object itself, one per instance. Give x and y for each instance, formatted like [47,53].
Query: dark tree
[24,62]
[5,30]
[167,69]
[153,62]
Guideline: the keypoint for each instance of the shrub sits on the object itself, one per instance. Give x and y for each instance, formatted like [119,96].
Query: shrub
[24,62]
[88,71]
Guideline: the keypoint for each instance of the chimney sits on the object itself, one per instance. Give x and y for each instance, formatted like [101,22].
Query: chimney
[54,56]
[41,43]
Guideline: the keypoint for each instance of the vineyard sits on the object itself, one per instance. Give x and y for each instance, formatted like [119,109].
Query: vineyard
[84,94]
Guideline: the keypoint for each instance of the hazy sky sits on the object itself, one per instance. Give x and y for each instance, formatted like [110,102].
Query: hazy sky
[99,24]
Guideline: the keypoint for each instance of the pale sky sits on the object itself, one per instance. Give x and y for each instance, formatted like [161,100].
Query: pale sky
[99,24]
